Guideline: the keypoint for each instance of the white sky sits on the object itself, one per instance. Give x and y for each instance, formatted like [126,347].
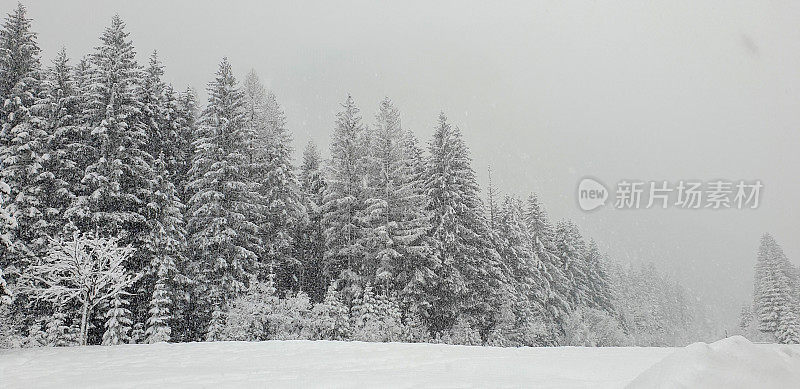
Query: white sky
[545,92]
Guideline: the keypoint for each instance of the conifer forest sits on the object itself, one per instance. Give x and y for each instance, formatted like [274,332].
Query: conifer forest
[136,211]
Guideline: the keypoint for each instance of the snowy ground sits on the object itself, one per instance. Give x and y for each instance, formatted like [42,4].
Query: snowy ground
[328,364]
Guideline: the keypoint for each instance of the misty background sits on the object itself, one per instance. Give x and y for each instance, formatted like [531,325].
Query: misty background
[544,92]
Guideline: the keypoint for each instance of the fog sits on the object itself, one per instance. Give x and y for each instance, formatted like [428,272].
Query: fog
[545,93]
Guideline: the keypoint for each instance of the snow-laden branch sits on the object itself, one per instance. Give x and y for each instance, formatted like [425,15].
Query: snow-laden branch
[87,269]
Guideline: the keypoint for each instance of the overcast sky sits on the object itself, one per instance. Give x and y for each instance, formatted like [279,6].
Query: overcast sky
[545,93]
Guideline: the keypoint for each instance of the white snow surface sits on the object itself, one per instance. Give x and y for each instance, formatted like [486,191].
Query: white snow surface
[302,364]
[729,363]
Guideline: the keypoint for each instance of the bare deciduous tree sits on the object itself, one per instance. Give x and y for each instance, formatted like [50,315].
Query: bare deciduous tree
[88,269]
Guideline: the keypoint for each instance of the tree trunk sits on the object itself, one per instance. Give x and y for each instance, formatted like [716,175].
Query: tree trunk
[84,323]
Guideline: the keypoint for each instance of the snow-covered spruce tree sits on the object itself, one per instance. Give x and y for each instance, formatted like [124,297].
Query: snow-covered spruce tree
[399,253]
[310,238]
[383,213]
[775,306]
[225,206]
[169,119]
[527,284]
[185,105]
[166,247]
[471,280]
[24,137]
[571,250]
[7,224]
[365,316]
[119,179]
[184,323]
[555,285]
[59,333]
[417,271]
[600,293]
[158,323]
[19,57]
[343,203]
[156,111]
[279,187]
[69,146]
[5,294]
[118,322]
[88,270]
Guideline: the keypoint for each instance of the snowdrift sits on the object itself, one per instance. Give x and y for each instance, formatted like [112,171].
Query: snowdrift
[729,363]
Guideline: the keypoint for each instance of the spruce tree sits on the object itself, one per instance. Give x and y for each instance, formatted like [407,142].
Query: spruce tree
[281,194]
[187,122]
[69,143]
[278,186]
[343,203]
[224,209]
[164,212]
[382,211]
[158,324]
[59,333]
[166,248]
[417,272]
[19,58]
[23,137]
[310,239]
[119,182]
[775,305]
[571,250]
[527,282]
[7,225]
[118,322]
[555,285]
[471,277]
[600,292]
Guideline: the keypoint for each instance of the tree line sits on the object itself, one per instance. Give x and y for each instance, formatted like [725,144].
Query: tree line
[131,213]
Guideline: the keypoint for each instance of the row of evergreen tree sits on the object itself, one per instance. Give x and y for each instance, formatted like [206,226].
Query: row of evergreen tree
[218,214]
